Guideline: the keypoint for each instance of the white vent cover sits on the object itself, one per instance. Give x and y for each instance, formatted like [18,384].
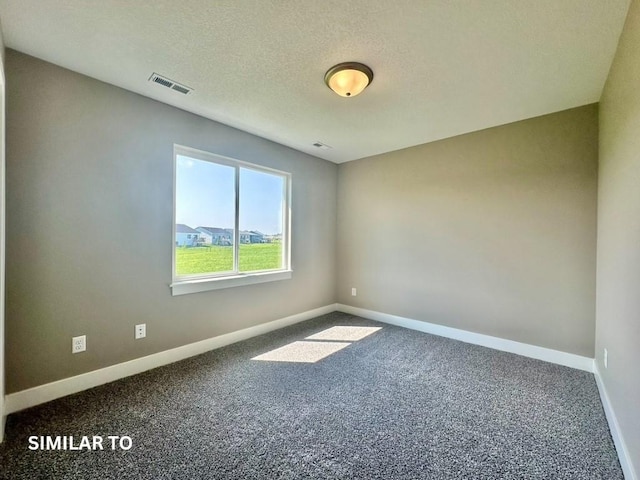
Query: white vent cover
[165,82]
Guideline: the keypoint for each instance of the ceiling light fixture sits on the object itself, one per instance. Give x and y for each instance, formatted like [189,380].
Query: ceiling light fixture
[348,79]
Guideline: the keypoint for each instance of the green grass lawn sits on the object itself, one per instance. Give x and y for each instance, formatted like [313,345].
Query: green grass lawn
[253,256]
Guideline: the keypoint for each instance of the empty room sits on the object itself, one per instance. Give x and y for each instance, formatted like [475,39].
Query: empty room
[281,240]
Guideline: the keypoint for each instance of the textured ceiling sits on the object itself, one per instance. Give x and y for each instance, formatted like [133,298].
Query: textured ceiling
[442,68]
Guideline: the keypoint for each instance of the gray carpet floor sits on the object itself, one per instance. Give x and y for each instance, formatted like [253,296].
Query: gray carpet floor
[397,404]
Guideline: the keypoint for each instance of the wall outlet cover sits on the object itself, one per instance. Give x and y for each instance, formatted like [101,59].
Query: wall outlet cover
[141,331]
[79,344]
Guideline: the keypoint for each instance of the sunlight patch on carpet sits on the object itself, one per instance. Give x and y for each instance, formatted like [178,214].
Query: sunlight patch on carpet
[346,334]
[302,352]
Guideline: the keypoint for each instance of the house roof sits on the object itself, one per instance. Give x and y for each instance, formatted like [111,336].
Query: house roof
[440,68]
[212,230]
[182,228]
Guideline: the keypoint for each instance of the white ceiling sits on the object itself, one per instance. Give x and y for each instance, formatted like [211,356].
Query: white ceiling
[442,67]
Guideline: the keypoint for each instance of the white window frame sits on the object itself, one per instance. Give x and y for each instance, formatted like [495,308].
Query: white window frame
[213,281]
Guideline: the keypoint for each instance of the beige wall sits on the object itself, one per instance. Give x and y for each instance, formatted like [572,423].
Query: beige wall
[491,232]
[2,232]
[618,299]
[89,185]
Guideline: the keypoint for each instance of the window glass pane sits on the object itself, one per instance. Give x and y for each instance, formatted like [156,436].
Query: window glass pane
[205,216]
[261,223]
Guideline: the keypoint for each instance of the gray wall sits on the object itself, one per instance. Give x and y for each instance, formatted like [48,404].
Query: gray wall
[618,299]
[491,232]
[89,169]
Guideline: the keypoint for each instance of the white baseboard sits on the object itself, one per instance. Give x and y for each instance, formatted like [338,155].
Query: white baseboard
[614,427]
[524,349]
[50,391]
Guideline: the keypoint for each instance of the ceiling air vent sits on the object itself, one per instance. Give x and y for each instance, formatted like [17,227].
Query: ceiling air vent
[165,82]
[321,146]
[180,88]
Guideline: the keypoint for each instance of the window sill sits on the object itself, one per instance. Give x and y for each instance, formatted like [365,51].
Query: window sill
[205,284]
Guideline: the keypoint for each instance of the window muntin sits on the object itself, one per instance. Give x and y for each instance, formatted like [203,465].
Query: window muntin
[240,212]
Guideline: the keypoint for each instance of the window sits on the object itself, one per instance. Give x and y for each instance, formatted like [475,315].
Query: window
[231,222]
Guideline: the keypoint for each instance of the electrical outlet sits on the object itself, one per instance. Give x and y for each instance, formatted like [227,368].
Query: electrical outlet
[354,292]
[141,331]
[605,358]
[79,344]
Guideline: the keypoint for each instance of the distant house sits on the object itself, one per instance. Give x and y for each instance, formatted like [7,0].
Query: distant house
[277,238]
[205,238]
[217,236]
[251,236]
[256,237]
[186,236]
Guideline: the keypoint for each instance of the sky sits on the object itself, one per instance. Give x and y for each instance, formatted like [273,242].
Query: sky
[205,197]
